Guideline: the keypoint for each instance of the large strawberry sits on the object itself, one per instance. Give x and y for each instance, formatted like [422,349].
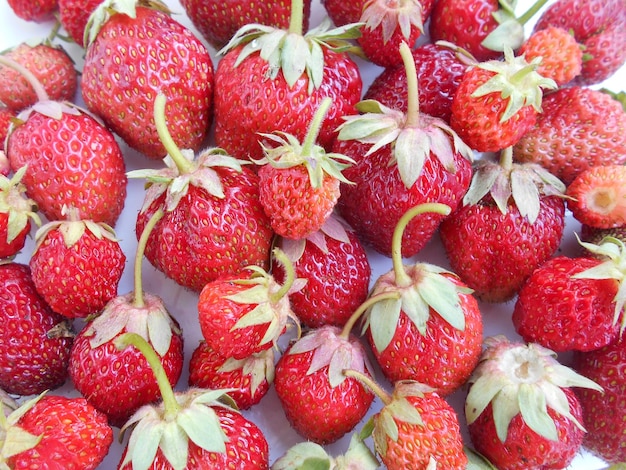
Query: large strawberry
[579,128]
[35,342]
[273,79]
[52,431]
[521,408]
[135,52]
[402,159]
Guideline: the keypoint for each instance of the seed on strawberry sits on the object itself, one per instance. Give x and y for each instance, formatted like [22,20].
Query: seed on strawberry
[74,16]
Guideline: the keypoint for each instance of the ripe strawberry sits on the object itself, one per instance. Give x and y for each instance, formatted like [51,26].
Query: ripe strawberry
[511,221]
[218,21]
[37,11]
[561,56]
[135,52]
[191,429]
[74,16]
[595,236]
[497,102]
[55,432]
[402,159]
[320,402]
[343,12]
[599,26]
[603,411]
[598,197]
[261,92]
[50,65]
[521,409]
[439,72]
[35,342]
[247,379]
[6,116]
[337,271]
[16,213]
[5,166]
[574,303]
[578,128]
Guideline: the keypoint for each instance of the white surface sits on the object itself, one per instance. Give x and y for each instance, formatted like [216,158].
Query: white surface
[182,304]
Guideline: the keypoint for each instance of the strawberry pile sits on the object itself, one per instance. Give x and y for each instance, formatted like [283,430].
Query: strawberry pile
[316,234]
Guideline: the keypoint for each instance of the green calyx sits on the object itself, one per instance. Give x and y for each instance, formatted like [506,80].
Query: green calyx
[13,439]
[13,201]
[510,30]
[515,80]
[390,15]
[522,379]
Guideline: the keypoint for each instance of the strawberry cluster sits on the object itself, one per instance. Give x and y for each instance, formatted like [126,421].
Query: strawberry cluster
[261,174]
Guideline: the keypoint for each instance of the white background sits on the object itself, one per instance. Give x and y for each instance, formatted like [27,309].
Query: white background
[182,303]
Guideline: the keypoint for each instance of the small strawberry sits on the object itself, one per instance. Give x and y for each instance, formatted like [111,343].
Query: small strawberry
[74,16]
[598,198]
[33,10]
[603,412]
[134,52]
[521,408]
[17,213]
[594,236]
[35,342]
[578,128]
[497,102]
[51,431]
[76,265]
[247,379]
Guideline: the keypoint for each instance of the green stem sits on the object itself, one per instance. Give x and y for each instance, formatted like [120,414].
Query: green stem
[33,81]
[371,384]
[531,12]
[141,248]
[506,158]
[290,275]
[413,109]
[184,165]
[314,126]
[347,328]
[297,17]
[402,278]
[167,393]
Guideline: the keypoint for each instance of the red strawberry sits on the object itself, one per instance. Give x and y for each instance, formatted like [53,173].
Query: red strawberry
[77,265]
[603,411]
[259,93]
[35,342]
[74,16]
[247,379]
[136,52]
[33,10]
[218,21]
[16,214]
[521,409]
[599,26]
[598,197]
[6,116]
[55,432]
[578,128]
[320,402]
[497,102]
[50,65]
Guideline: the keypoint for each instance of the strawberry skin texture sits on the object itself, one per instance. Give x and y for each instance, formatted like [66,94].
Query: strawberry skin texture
[523,448]
[565,314]
[74,161]
[5,122]
[130,61]
[604,413]
[11,248]
[495,253]
[247,103]
[578,128]
[37,11]
[75,435]
[74,14]
[30,361]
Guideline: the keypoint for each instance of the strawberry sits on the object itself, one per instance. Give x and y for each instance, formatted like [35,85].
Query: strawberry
[6,116]
[218,21]
[214,223]
[76,265]
[16,214]
[272,79]
[574,303]
[51,431]
[561,56]
[191,429]
[320,402]
[74,16]
[511,221]
[439,72]
[600,28]
[497,102]
[35,342]
[337,271]
[603,411]
[595,236]
[521,408]
[597,196]
[5,166]
[248,379]
[578,128]
[50,65]
[135,52]
[343,12]
[37,11]
[402,159]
